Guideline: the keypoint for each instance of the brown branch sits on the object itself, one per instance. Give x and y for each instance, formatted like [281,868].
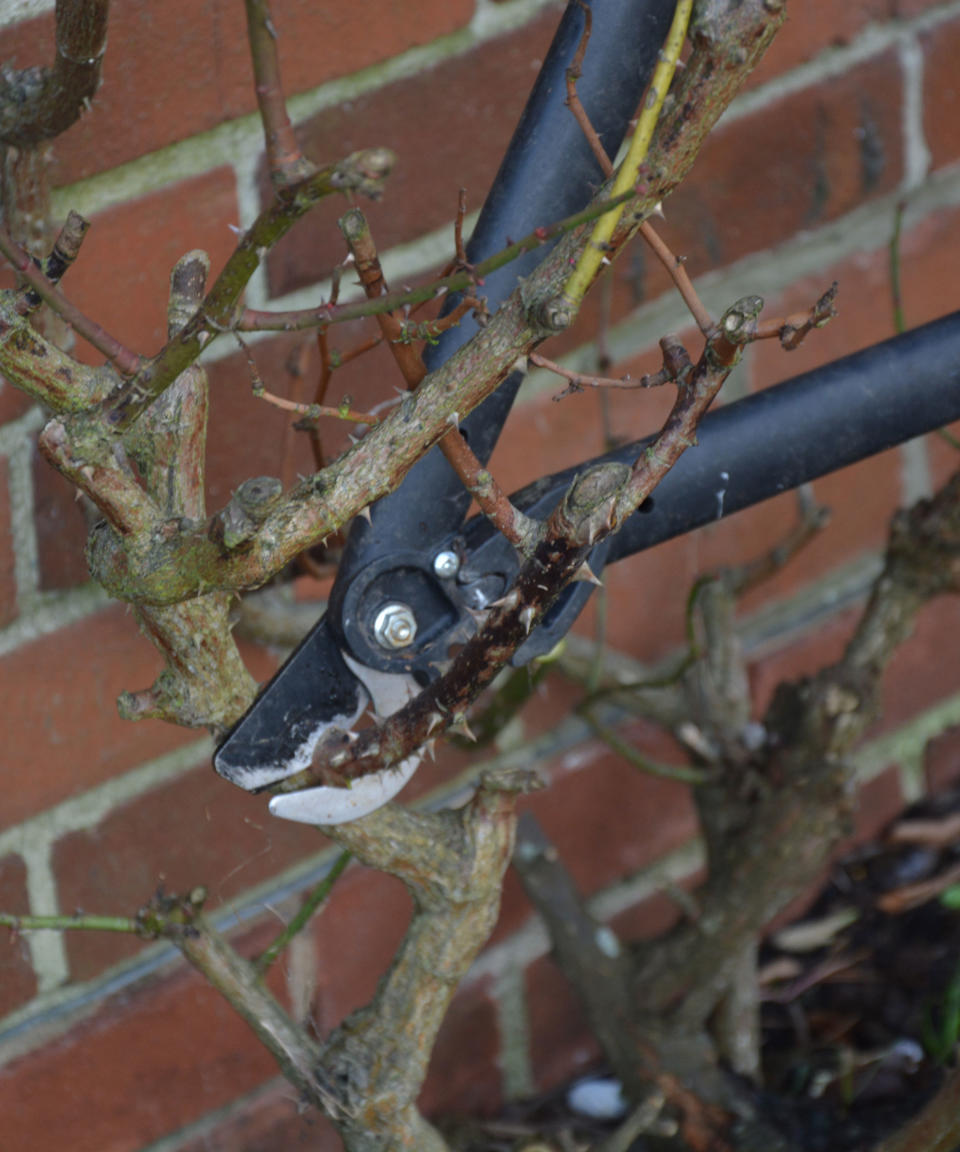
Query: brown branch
[65,250]
[186,561]
[599,501]
[491,498]
[286,162]
[675,362]
[453,864]
[363,172]
[37,104]
[121,357]
[673,264]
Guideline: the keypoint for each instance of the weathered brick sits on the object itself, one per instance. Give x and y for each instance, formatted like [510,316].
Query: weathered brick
[61,528]
[17,981]
[794,163]
[941,92]
[820,24]
[180,69]
[196,830]
[121,278]
[942,760]
[608,818]
[272,1118]
[63,688]
[561,1043]
[128,1074]
[8,586]
[356,936]
[463,1078]
[475,98]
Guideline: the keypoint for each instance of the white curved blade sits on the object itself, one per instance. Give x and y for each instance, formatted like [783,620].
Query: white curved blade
[388,693]
[340,805]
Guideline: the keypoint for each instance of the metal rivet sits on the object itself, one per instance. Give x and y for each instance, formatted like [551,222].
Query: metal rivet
[446,564]
[395,626]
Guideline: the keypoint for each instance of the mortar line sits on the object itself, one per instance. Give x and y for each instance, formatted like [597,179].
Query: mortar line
[48,950]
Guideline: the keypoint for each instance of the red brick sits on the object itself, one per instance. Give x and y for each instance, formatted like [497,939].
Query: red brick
[182,68]
[805,655]
[463,145]
[63,688]
[941,92]
[820,24]
[561,1043]
[795,163]
[464,1078]
[61,528]
[145,1064]
[878,802]
[608,819]
[271,1119]
[13,402]
[924,669]
[8,586]
[921,672]
[356,934]
[122,277]
[17,981]
[942,760]
[196,830]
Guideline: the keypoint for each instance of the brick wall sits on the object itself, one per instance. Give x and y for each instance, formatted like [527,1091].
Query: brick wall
[854,109]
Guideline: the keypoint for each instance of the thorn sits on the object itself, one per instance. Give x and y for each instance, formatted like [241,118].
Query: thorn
[430,749]
[479,617]
[454,419]
[508,601]
[401,391]
[526,617]
[365,513]
[353,439]
[433,721]
[657,210]
[587,575]
[461,726]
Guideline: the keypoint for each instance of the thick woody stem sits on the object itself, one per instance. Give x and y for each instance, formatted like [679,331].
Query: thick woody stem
[37,104]
[453,864]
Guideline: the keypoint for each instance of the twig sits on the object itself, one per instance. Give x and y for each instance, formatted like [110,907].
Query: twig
[363,171]
[673,264]
[125,361]
[595,252]
[287,163]
[896,289]
[491,498]
[252,320]
[597,503]
[65,250]
[304,914]
[633,757]
[79,920]
[577,381]
[37,104]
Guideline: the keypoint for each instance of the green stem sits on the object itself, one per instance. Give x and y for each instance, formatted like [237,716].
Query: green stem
[310,905]
[63,923]
[632,756]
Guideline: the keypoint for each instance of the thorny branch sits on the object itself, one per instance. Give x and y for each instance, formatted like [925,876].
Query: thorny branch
[597,504]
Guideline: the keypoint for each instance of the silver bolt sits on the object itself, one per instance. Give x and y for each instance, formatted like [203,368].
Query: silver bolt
[395,626]
[446,564]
